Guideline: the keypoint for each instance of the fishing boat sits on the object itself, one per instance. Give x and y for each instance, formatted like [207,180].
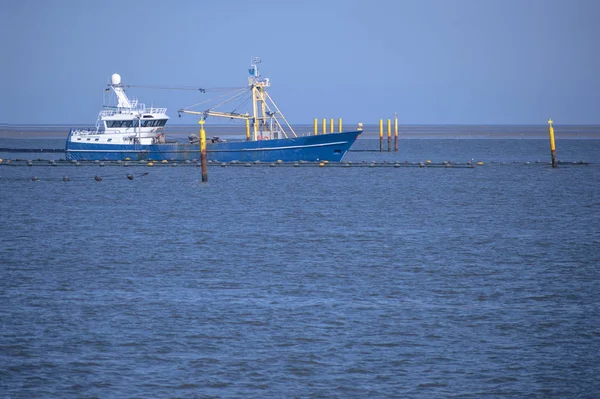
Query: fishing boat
[128,130]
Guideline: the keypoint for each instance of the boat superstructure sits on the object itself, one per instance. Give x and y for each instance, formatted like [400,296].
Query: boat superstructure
[128,122]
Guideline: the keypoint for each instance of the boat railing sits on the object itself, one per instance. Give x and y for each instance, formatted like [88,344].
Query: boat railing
[132,111]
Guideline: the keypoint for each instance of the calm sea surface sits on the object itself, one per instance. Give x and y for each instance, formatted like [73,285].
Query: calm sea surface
[282,282]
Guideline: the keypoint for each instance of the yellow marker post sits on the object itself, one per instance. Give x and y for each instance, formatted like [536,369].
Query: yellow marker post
[389,132]
[247,129]
[203,151]
[331,125]
[340,125]
[395,132]
[381,135]
[316,126]
[324,126]
[552,146]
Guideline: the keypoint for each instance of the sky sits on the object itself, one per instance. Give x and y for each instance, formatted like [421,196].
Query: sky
[429,61]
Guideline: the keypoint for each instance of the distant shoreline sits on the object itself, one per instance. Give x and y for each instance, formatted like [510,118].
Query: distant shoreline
[369,131]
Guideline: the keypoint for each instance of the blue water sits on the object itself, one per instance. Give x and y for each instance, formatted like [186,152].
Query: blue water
[306,282]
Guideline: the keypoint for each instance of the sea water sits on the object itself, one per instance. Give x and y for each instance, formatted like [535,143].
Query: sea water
[307,282]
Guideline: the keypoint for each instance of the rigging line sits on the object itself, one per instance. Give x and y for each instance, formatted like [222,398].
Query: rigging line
[280,113]
[212,99]
[230,99]
[243,104]
[241,90]
[190,88]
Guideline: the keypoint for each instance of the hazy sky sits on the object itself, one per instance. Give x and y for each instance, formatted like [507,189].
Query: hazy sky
[431,61]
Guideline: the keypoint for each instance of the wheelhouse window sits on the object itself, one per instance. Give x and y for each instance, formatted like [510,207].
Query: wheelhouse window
[113,124]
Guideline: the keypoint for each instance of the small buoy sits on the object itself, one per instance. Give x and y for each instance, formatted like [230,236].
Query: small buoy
[150,164]
[296,164]
[29,163]
[325,161]
[396,165]
[73,161]
[96,161]
[129,176]
[35,178]
[279,161]
[128,159]
[273,164]
[101,164]
[223,164]
[479,163]
[164,161]
[321,164]
[421,165]
[66,178]
[0,160]
[428,161]
[97,178]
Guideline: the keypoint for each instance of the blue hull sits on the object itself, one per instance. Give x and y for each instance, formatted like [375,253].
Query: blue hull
[326,147]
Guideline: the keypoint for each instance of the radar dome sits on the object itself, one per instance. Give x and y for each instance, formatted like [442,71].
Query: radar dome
[115,79]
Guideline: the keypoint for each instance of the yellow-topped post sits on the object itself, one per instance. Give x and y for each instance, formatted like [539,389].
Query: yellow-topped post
[324,126]
[381,135]
[552,146]
[316,126]
[203,151]
[340,125]
[395,132]
[389,132]
[247,129]
[331,125]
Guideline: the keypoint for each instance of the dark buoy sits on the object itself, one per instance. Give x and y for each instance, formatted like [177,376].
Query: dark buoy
[35,178]
[97,178]
[66,178]
[130,176]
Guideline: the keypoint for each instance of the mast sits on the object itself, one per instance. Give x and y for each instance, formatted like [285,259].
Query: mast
[265,113]
[259,106]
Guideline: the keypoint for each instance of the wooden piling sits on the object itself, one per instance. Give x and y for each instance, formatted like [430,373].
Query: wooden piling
[203,152]
[381,135]
[552,146]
